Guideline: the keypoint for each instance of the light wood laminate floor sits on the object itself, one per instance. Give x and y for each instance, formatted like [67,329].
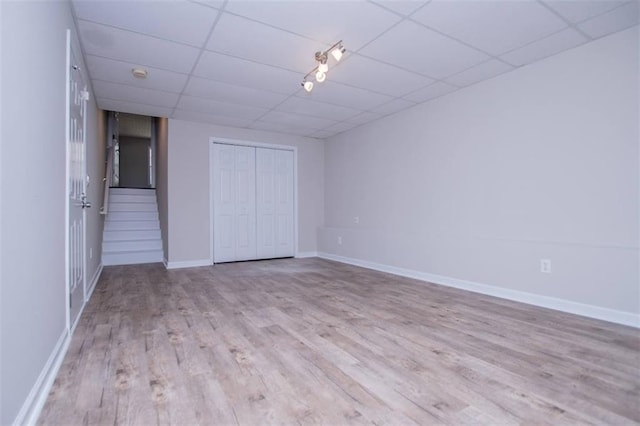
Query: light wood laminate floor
[311,341]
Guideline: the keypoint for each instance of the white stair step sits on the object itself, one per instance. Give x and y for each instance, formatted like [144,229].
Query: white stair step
[132,207]
[132,257]
[131,191]
[131,245]
[117,225]
[127,198]
[115,216]
[132,234]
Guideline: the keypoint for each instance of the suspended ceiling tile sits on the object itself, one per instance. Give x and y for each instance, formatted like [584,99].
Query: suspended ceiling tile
[346,96]
[139,95]
[366,73]
[220,120]
[223,92]
[558,42]
[578,11]
[127,46]
[365,117]
[483,71]
[241,72]
[403,7]
[120,72]
[282,128]
[491,26]
[210,106]
[355,22]
[182,22]
[394,106]
[299,120]
[269,45]
[133,108]
[321,134]
[217,4]
[317,109]
[341,127]
[429,54]
[617,19]
[431,92]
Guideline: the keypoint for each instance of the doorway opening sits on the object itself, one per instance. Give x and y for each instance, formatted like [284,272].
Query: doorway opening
[133,146]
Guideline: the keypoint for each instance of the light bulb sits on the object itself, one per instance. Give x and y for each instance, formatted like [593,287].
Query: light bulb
[337,53]
[323,67]
[308,86]
[320,76]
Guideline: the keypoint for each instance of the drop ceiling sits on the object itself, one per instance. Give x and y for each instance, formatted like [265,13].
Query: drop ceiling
[240,63]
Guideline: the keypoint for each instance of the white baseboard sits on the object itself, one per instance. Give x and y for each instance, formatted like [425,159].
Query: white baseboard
[30,411]
[93,282]
[165,262]
[305,254]
[188,264]
[597,312]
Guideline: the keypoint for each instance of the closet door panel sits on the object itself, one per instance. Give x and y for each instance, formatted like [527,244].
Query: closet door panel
[224,203]
[265,197]
[245,167]
[283,173]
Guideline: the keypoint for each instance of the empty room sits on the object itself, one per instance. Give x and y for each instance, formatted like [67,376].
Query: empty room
[243,212]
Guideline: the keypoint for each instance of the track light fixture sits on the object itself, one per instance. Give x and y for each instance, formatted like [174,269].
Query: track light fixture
[320,71]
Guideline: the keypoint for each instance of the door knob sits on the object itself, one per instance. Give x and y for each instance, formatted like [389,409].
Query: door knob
[86,204]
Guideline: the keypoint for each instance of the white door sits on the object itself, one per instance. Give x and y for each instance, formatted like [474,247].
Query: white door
[245,203]
[77,97]
[274,172]
[234,222]
[284,203]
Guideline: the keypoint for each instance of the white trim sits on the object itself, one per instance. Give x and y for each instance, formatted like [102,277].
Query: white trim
[597,312]
[165,262]
[94,281]
[306,254]
[188,264]
[32,406]
[228,141]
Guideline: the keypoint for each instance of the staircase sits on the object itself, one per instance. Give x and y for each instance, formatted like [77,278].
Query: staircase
[132,229]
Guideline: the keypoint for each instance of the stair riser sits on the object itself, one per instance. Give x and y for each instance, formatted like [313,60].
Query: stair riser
[132,234]
[131,225]
[116,216]
[131,258]
[114,198]
[132,207]
[131,191]
[117,246]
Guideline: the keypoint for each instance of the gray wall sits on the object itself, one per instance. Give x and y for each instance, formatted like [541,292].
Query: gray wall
[481,184]
[162,179]
[188,190]
[32,196]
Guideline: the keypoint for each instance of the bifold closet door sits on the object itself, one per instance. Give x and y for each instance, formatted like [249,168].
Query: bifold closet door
[234,203]
[274,205]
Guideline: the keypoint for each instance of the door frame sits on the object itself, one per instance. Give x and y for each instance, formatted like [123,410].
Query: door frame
[237,142]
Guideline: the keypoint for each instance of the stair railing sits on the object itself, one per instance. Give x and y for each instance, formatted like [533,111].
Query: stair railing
[107,181]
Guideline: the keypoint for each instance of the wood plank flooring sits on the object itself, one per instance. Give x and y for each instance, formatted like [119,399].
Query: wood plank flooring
[309,341]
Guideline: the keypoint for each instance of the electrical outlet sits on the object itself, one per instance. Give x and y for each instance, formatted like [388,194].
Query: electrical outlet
[356,219]
[545,266]
[339,241]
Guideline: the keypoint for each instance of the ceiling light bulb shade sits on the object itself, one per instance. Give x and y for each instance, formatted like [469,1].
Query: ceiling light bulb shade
[323,68]
[308,86]
[320,76]
[139,72]
[338,52]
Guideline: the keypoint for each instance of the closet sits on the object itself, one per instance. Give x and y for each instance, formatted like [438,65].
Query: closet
[253,203]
